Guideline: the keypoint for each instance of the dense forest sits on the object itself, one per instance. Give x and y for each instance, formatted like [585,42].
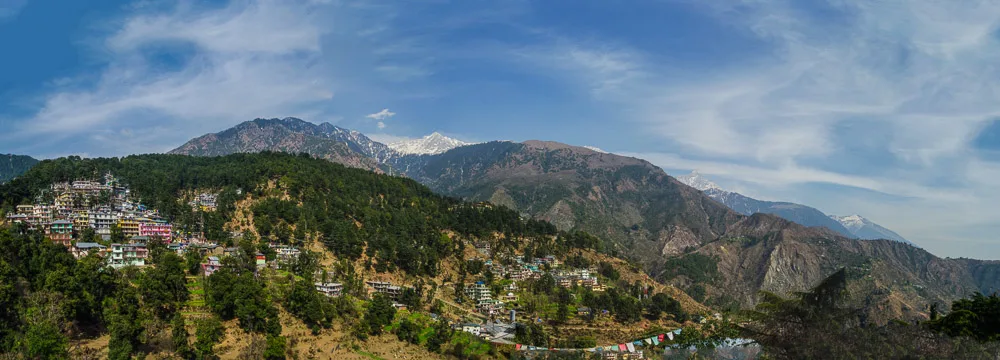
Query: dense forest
[400,220]
[399,223]
[12,166]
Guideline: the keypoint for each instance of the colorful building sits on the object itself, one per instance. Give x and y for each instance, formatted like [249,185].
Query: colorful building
[154,229]
[211,266]
[61,232]
[129,226]
[123,255]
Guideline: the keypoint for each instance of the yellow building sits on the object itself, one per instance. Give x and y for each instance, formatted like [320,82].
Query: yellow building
[129,226]
[81,219]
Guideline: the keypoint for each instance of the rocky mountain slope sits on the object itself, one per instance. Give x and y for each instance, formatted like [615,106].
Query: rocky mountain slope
[12,166]
[683,235]
[291,135]
[627,201]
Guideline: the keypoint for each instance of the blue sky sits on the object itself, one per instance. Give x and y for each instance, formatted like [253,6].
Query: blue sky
[885,109]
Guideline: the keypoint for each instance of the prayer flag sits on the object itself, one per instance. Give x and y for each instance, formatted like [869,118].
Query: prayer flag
[670,335]
[648,341]
[517,347]
[631,348]
[622,347]
[656,341]
[660,337]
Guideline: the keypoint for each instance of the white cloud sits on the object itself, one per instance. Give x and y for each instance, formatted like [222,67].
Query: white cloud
[245,60]
[11,8]
[920,76]
[381,115]
[380,125]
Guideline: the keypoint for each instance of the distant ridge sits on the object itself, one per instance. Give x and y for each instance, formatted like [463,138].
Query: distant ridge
[12,166]
[852,226]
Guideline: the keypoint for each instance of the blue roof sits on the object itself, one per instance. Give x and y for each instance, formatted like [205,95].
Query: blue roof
[87,245]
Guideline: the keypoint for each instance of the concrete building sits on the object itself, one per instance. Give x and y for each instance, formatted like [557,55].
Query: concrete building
[123,255]
[82,249]
[154,229]
[60,232]
[330,289]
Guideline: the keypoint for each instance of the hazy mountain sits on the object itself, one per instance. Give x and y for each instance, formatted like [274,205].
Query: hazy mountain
[853,226]
[12,166]
[863,228]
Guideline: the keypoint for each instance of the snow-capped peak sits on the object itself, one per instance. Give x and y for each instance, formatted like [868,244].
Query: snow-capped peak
[695,180]
[434,143]
[866,229]
[851,222]
[594,148]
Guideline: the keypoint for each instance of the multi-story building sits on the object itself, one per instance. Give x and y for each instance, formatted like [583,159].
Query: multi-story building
[330,289]
[81,219]
[129,226]
[478,291]
[154,229]
[387,288]
[123,255]
[102,222]
[60,232]
[286,253]
[483,298]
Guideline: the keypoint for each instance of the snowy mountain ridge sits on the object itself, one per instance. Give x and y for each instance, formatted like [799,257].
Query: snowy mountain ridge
[853,226]
[866,229]
[434,143]
[695,180]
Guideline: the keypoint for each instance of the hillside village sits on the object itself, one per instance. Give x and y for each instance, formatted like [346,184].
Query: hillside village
[102,218]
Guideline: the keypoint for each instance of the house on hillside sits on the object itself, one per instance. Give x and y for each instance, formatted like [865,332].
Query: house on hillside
[82,249]
[261,260]
[386,288]
[474,329]
[211,266]
[330,289]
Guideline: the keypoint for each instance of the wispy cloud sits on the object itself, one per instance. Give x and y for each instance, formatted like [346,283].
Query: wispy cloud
[245,60]
[381,115]
[10,8]
[920,76]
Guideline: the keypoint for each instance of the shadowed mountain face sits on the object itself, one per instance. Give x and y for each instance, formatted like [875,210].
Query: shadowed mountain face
[679,234]
[12,166]
[628,201]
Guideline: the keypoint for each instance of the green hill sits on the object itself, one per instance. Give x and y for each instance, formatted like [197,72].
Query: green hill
[362,226]
[13,165]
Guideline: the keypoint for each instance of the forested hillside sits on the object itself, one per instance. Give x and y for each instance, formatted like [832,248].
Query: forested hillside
[13,165]
[364,223]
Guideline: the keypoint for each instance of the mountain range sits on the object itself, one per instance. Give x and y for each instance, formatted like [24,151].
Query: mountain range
[679,234]
[853,226]
[12,166]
